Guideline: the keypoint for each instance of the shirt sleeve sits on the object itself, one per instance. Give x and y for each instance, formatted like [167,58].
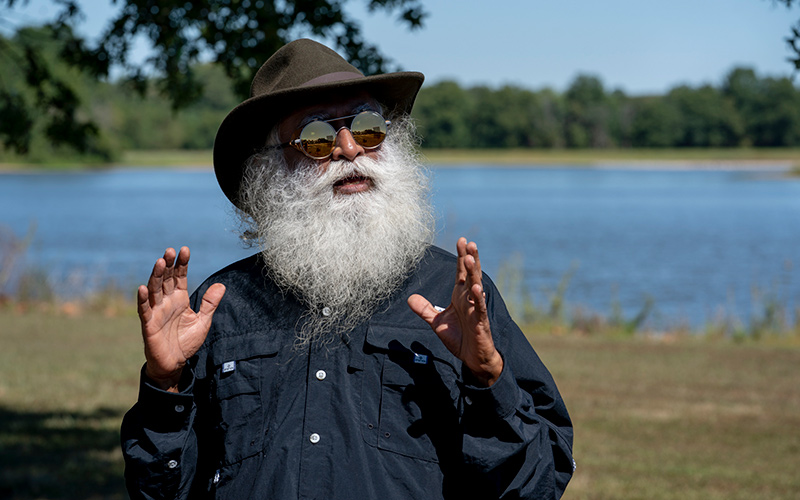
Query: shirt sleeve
[159,442]
[517,433]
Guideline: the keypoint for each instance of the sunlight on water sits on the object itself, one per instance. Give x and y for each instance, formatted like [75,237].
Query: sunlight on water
[696,242]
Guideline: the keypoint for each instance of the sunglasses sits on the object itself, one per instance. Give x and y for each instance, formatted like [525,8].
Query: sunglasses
[317,138]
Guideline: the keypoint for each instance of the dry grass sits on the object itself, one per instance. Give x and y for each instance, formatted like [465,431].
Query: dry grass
[663,158]
[65,382]
[683,420]
[678,419]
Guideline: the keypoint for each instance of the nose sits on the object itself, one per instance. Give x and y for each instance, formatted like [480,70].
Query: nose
[345,146]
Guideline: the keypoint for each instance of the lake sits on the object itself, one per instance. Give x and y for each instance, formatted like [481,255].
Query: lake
[699,243]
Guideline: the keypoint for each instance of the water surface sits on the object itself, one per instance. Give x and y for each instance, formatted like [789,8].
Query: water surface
[696,242]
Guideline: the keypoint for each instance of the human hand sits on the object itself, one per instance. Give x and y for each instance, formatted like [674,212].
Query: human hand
[463,326]
[171,330]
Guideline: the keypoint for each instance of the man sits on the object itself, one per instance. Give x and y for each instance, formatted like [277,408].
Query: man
[310,370]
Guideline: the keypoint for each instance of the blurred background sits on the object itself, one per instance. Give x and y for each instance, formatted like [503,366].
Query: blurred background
[637,167]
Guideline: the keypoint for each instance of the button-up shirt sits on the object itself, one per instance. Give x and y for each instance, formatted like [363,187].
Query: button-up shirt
[384,411]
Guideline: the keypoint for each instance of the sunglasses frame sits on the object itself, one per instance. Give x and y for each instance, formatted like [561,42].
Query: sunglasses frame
[296,142]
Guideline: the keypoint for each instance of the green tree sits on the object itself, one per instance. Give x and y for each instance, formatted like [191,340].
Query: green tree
[442,113]
[769,107]
[707,119]
[41,108]
[778,123]
[587,114]
[656,123]
[547,117]
[235,34]
[794,37]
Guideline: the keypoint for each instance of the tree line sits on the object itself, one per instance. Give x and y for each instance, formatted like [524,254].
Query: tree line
[745,110]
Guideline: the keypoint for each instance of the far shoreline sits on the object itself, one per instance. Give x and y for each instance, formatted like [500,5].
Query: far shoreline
[766,159]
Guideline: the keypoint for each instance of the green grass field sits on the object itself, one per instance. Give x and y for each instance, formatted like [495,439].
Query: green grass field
[680,419]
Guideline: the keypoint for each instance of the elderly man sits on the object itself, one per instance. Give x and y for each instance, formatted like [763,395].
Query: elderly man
[348,358]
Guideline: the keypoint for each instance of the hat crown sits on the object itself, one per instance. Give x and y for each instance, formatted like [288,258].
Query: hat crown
[297,63]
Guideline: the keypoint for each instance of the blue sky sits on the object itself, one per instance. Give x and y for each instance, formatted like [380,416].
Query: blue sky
[639,46]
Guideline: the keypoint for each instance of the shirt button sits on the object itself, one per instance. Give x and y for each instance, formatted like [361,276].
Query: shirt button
[172,464]
[326,311]
[321,375]
[179,408]
[314,438]
[468,400]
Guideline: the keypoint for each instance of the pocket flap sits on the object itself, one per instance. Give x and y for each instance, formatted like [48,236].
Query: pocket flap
[244,346]
[420,346]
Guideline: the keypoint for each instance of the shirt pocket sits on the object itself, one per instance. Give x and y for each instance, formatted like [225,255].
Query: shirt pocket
[240,364]
[417,381]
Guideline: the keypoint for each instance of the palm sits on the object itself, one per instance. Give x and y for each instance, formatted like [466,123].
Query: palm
[463,326]
[171,330]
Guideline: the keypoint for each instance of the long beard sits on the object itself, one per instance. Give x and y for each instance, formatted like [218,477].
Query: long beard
[341,255]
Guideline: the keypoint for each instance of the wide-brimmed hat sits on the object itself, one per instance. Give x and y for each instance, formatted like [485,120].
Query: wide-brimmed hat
[300,73]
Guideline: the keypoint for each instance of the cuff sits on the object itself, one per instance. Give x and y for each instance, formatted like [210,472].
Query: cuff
[500,400]
[166,411]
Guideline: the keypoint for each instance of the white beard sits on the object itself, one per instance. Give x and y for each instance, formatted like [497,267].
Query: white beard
[341,255]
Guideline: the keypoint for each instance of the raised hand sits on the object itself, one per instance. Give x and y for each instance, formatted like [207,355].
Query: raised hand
[171,330]
[463,326]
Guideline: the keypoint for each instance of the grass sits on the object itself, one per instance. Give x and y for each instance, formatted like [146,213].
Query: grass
[664,157]
[682,418]
[201,158]
[65,383]
[686,420]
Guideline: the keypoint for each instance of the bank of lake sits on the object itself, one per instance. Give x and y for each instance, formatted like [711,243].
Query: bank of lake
[782,159]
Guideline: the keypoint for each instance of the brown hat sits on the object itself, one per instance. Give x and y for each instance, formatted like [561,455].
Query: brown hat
[300,73]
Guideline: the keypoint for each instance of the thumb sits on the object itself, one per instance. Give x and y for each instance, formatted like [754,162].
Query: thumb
[210,302]
[423,308]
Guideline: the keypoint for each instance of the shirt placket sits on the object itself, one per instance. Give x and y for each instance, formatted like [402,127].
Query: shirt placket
[318,439]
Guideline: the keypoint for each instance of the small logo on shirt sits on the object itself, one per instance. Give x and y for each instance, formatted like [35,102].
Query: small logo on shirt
[228,366]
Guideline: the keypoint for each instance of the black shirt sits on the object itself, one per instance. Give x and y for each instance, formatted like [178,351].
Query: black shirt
[384,412]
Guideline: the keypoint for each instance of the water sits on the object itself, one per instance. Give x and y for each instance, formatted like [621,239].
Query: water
[698,243]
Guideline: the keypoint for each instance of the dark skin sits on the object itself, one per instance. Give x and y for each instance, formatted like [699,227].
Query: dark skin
[173,332]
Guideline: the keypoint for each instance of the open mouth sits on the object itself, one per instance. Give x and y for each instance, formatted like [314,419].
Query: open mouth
[353,179]
[352,184]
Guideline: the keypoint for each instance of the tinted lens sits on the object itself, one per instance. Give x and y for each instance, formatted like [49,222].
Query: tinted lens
[317,139]
[368,129]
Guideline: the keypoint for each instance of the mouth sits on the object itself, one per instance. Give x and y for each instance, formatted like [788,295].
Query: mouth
[352,184]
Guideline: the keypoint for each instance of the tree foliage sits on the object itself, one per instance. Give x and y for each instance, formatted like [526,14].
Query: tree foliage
[235,34]
[794,37]
[745,110]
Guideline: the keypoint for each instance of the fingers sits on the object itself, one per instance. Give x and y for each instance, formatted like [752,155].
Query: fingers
[461,252]
[143,303]
[167,284]
[181,269]
[472,263]
[468,266]
[169,273]
[155,283]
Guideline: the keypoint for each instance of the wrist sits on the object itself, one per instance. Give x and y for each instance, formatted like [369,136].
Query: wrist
[489,371]
[167,383]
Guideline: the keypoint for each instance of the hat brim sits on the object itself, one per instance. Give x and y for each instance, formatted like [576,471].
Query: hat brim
[244,131]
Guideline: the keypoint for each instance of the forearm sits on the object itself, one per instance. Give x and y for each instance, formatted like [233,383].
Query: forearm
[514,450]
[159,443]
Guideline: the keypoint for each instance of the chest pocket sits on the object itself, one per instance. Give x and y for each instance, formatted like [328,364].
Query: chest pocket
[410,394]
[240,366]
